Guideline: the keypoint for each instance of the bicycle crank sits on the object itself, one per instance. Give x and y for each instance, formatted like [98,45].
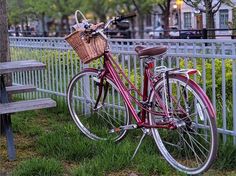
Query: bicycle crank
[122,128]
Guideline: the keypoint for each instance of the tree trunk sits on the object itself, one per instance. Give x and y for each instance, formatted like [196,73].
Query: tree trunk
[43,24]
[132,28]
[234,22]
[67,25]
[210,23]
[4,40]
[166,15]
[64,25]
[140,26]
[4,50]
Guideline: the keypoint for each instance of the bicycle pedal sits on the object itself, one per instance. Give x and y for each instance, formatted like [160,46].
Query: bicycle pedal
[121,128]
[98,107]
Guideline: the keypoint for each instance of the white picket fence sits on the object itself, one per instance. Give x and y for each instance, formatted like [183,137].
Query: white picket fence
[215,58]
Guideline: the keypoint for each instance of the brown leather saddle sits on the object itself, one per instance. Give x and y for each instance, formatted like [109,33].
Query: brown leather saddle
[147,52]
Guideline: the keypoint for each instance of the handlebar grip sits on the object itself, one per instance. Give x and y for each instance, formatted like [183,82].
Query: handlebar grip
[131,15]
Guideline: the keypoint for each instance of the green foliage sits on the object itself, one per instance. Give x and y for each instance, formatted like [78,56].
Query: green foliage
[62,140]
[67,144]
[218,73]
[226,157]
[39,167]
[113,157]
[23,123]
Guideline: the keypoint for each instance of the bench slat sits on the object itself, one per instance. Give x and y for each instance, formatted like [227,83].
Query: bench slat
[14,66]
[20,106]
[20,89]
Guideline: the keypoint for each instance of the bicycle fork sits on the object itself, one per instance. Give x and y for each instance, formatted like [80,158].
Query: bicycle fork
[101,85]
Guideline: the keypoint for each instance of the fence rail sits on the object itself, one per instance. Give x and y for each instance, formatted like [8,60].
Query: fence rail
[216,59]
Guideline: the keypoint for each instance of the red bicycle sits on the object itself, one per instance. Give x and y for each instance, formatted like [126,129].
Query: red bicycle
[172,108]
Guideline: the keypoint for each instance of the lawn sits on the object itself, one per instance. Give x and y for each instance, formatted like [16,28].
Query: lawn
[48,143]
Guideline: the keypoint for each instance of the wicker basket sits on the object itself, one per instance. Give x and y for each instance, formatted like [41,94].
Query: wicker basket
[88,47]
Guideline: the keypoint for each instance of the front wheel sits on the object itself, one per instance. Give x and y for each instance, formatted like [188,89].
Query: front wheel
[191,147]
[96,122]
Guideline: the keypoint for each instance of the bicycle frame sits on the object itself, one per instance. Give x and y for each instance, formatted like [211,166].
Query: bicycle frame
[110,71]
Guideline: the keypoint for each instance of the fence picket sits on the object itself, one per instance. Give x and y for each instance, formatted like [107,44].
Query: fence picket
[62,65]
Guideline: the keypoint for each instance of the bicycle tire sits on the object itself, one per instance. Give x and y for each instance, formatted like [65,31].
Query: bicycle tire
[96,124]
[192,147]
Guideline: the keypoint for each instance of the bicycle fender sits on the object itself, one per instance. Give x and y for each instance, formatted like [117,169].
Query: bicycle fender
[197,88]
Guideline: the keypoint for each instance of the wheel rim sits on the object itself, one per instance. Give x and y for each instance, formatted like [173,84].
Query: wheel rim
[189,148]
[97,125]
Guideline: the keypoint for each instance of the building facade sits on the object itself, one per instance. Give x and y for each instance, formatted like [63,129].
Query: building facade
[185,17]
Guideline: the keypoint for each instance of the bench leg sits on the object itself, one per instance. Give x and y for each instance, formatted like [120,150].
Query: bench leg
[7,129]
[6,122]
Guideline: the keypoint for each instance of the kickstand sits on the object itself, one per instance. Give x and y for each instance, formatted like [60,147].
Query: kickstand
[139,144]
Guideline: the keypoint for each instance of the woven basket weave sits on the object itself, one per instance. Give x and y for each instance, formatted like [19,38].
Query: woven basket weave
[86,46]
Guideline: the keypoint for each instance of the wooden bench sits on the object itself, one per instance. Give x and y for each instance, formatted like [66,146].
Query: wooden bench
[20,89]
[27,105]
[16,66]
[7,107]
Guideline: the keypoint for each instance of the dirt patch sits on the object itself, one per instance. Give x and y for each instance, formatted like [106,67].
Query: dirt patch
[25,149]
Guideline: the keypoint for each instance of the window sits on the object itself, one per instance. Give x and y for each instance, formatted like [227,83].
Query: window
[223,16]
[148,20]
[187,20]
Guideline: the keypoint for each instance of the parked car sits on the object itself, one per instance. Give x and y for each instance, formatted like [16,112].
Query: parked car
[174,32]
[12,33]
[192,34]
[156,33]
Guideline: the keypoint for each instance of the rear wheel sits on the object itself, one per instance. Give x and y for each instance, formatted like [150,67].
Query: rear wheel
[192,146]
[96,124]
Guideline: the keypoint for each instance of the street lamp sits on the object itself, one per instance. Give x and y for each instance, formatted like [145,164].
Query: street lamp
[178,6]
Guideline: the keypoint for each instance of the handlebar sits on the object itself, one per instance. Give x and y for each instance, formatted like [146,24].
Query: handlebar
[118,19]
[109,22]
[131,15]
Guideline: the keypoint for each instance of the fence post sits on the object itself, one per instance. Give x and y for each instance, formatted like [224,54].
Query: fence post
[204,33]
[234,98]
[87,94]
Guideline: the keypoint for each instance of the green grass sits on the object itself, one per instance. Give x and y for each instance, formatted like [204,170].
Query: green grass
[65,142]
[226,156]
[39,167]
[61,149]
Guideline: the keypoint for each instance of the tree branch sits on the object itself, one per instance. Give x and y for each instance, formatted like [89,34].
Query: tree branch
[162,7]
[214,11]
[136,6]
[191,4]
[218,3]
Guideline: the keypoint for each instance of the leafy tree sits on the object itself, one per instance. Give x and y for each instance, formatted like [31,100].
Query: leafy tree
[209,7]
[165,8]
[64,8]
[101,9]
[143,8]
[40,9]
[20,10]
[17,12]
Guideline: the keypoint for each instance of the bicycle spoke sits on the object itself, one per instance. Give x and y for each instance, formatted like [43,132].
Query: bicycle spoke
[191,146]
[96,123]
